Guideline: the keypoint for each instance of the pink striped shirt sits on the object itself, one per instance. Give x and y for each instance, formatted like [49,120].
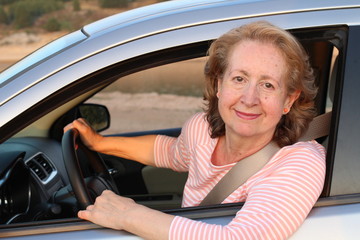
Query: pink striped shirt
[277,198]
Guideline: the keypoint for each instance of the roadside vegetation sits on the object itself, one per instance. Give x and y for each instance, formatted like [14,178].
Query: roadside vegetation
[58,15]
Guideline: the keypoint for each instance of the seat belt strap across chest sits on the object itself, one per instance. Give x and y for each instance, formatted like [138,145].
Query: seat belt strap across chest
[247,167]
[239,173]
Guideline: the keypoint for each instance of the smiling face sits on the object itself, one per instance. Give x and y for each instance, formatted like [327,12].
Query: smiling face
[252,94]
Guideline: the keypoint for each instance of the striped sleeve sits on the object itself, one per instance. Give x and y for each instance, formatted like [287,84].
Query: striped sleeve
[279,197]
[175,153]
[169,153]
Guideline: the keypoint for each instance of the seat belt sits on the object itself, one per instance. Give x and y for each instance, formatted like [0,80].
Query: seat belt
[247,167]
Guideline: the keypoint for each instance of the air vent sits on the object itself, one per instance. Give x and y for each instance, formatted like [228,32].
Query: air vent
[40,166]
[37,169]
[44,163]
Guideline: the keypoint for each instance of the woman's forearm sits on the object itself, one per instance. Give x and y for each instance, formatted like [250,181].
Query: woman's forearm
[140,149]
[148,223]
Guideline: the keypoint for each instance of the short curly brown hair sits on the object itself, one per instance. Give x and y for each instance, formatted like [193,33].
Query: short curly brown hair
[299,74]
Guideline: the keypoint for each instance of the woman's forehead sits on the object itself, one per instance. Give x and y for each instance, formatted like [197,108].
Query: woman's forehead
[253,57]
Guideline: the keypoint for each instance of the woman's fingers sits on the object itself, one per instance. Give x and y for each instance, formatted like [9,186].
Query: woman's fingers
[79,124]
[107,210]
[68,127]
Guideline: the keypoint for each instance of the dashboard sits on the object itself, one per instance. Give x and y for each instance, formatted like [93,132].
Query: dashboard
[33,181]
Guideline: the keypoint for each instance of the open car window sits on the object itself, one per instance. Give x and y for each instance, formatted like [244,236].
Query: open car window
[156,98]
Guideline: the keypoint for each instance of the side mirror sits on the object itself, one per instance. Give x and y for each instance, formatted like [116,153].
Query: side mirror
[96,115]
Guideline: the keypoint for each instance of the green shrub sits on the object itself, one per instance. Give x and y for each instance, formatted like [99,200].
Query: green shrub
[76,5]
[67,25]
[22,17]
[4,2]
[3,16]
[113,3]
[23,13]
[52,25]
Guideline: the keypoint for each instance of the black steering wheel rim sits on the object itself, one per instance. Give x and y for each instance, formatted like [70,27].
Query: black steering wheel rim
[70,139]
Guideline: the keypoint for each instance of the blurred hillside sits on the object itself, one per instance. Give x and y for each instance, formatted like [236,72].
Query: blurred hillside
[26,25]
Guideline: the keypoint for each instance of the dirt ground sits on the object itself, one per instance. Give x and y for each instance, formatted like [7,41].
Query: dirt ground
[18,45]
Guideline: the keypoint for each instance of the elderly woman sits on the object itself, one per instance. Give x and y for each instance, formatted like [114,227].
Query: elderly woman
[260,89]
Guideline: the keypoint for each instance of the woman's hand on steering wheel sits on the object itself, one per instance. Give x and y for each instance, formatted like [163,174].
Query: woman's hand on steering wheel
[88,135]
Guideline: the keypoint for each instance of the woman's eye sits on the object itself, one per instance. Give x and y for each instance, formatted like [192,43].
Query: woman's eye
[268,85]
[239,79]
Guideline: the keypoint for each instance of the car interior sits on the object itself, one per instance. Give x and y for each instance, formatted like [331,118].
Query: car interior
[34,179]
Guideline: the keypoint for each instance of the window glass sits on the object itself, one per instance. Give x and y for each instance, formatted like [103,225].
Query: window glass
[156,98]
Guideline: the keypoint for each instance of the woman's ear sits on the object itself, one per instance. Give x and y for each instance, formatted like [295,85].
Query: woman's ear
[292,98]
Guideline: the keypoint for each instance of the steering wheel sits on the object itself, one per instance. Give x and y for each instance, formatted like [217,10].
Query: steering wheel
[85,193]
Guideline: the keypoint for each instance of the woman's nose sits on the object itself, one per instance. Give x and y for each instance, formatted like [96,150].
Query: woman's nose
[250,95]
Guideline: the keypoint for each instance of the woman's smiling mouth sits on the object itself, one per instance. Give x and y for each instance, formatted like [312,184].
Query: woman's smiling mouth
[247,116]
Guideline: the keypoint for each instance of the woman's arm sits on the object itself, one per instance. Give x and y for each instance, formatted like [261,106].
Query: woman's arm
[140,148]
